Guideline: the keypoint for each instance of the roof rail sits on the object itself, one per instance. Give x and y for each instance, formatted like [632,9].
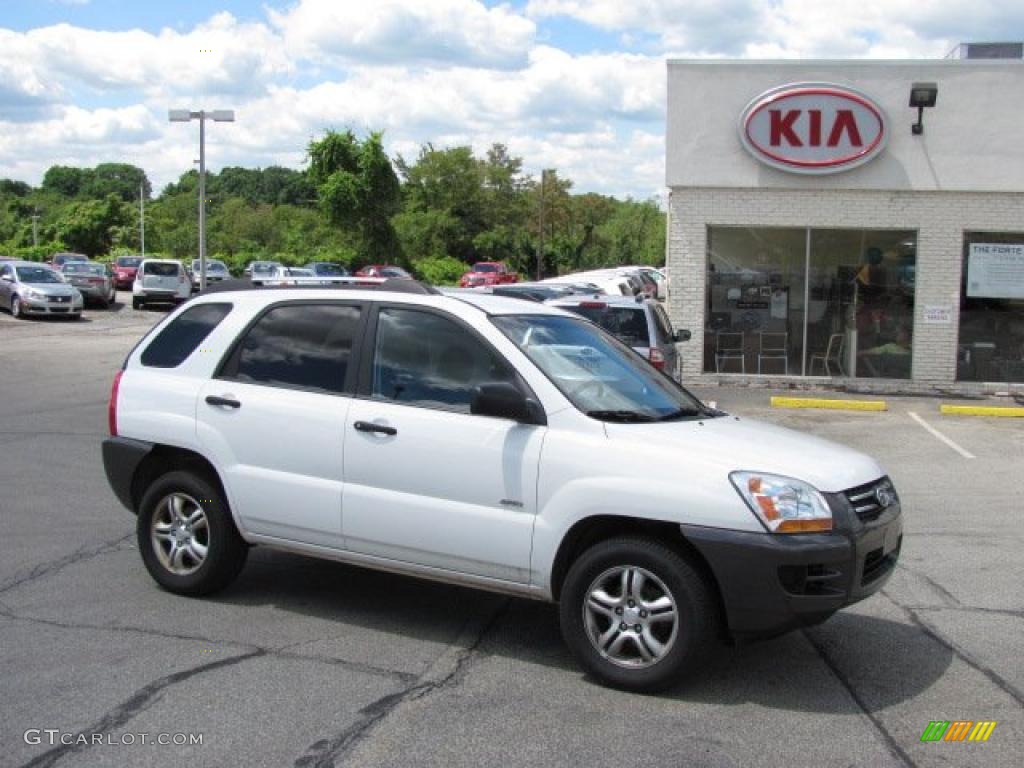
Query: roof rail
[392,284]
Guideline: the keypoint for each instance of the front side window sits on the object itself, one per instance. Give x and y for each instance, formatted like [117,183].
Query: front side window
[431,361]
[600,375]
[306,346]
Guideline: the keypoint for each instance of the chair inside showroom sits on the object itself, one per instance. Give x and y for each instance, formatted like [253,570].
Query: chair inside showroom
[833,356]
[729,346]
[774,345]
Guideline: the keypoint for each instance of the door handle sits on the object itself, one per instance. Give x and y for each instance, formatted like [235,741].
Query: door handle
[369,426]
[226,401]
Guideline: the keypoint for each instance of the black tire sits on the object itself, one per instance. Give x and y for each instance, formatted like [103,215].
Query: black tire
[16,307]
[694,633]
[136,302]
[226,551]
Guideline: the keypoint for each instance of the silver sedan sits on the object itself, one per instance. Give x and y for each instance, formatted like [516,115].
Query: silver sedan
[95,281]
[27,288]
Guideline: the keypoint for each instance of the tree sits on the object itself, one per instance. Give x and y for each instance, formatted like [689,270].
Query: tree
[121,179]
[358,189]
[65,180]
[88,226]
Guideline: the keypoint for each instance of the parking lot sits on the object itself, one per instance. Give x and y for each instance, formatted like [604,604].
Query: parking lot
[309,663]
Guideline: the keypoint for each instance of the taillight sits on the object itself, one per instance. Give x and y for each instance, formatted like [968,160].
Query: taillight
[657,358]
[593,304]
[112,405]
[181,278]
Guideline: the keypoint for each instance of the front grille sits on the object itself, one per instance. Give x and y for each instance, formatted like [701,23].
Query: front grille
[871,500]
[60,299]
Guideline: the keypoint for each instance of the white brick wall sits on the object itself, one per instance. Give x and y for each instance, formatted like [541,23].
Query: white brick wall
[940,218]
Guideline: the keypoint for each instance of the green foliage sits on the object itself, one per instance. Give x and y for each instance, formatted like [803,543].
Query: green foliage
[89,226]
[441,270]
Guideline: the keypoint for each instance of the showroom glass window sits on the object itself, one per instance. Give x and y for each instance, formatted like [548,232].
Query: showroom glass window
[812,302]
[991,341]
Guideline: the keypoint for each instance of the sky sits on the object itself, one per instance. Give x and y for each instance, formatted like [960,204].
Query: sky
[567,84]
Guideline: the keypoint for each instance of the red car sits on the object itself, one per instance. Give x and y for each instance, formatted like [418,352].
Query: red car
[125,268]
[488,273]
[382,270]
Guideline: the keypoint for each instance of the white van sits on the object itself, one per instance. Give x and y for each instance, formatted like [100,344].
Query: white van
[160,281]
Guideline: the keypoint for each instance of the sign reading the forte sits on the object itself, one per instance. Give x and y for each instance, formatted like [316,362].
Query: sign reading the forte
[813,128]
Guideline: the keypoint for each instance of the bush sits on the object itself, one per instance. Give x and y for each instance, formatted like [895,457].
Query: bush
[442,270]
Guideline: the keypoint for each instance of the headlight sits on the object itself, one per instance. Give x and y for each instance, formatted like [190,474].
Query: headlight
[32,293]
[783,504]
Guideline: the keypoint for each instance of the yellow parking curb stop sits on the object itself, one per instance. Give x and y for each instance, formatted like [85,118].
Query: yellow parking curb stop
[981,410]
[837,405]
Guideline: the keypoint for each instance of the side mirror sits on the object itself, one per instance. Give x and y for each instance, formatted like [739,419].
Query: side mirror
[683,335]
[504,401]
[7,278]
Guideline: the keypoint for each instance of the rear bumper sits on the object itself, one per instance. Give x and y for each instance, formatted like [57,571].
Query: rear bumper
[121,457]
[771,584]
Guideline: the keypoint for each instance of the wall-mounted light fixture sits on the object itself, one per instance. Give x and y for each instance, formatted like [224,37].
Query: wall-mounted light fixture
[922,95]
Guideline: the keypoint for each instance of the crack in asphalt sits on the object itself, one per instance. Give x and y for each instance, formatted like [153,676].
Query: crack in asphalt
[948,597]
[326,753]
[994,677]
[890,741]
[281,652]
[134,705]
[42,570]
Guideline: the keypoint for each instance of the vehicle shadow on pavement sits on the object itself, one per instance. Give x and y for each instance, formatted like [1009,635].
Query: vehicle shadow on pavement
[885,662]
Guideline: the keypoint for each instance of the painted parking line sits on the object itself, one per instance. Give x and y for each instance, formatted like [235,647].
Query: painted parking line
[982,410]
[941,437]
[829,404]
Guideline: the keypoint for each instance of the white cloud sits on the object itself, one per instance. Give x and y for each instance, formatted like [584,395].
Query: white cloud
[442,32]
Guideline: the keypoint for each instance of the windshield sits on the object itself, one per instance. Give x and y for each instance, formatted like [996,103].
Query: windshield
[627,324]
[601,376]
[394,272]
[37,275]
[129,261]
[330,270]
[485,267]
[211,266]
[264,267]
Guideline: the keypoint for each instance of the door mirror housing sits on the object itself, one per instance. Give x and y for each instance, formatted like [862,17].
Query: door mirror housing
[7,278]
[683,335]
[504,400]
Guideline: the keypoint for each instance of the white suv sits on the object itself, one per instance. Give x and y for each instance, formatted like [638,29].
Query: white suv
[489,442]
[160,281]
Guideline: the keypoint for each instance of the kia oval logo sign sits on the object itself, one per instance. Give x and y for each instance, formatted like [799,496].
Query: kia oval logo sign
[813,128]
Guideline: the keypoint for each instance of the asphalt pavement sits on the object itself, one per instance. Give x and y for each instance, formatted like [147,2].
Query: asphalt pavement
[310,663]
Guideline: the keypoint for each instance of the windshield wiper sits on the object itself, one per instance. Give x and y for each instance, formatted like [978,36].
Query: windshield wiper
[682,413]
[623,416]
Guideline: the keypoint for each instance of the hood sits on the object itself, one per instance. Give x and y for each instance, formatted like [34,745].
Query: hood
[725,444]
[52,289]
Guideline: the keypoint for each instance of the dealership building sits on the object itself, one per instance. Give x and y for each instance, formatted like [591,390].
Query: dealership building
[853,222]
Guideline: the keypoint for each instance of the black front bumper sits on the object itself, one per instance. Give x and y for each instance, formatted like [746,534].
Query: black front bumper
[772,583]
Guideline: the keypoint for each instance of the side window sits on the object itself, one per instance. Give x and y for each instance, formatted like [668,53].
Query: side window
[663,325]
[5,271]
[307,346]
[182,335]
[427,360]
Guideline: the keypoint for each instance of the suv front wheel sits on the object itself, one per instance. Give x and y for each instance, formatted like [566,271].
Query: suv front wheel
[636,614]
[187,538]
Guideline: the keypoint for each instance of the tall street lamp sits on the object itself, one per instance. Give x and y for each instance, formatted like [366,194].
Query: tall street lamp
[218,116]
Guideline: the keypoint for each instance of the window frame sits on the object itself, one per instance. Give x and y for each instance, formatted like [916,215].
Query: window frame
[364,386]
[229,360]
[165,328]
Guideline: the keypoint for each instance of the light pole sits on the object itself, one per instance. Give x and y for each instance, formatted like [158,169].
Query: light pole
[218,116]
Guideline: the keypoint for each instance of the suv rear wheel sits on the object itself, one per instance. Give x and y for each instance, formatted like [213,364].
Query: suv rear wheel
[636,614]
[187,538]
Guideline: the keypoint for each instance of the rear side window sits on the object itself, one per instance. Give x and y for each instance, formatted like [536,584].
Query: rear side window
[307,346]
[161,270]
[627,324]
[183,334]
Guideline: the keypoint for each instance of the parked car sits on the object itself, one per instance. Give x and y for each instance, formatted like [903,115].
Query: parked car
[258,270]
[641,323]
[609,282]
[327,269]
[59,259]
[93,280]
[215,272]
[382,270]
[659,277]
[159,281]
[488,273]
[125,268]
[29,288]
[488,442]
[533,291]
[282,275]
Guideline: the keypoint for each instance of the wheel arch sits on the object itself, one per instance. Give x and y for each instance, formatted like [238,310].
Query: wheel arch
[591,530]
[168,458]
